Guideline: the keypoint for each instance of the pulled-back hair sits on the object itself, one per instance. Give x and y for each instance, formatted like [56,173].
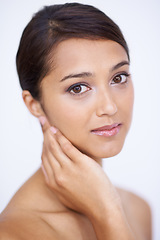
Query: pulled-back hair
[52,25]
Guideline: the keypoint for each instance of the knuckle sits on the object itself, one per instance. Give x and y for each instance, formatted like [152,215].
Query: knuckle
[60,180]
[50,182]
[67,146]
[51,145]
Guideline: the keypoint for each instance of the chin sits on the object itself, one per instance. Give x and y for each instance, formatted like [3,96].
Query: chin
[104,153]
[100,150]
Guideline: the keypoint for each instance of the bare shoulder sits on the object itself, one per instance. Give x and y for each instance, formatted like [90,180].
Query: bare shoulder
[138,213]
[23,225]
[7,231]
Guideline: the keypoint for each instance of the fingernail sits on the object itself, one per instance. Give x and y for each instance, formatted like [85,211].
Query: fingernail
[53,130]
[42,120]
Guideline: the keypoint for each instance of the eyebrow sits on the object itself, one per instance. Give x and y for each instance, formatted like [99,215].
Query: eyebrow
[89,74]
[118,65]
[78,75]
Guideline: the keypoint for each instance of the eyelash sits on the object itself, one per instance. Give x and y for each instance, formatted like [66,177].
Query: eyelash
[84,84]
[122,74]
[77,85]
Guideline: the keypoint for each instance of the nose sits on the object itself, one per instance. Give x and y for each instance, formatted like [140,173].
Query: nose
[105,104]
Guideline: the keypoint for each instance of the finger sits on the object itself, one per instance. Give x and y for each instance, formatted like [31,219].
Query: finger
[45,173]
[49,139]
[72,152]
[47,156]
[54,149]
[48,174]
[44,123]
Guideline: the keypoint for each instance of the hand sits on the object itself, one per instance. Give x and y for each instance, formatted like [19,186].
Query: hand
[79,181]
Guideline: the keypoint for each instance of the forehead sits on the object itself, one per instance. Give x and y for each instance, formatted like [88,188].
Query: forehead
[83,55]
[74,56]
[75,52]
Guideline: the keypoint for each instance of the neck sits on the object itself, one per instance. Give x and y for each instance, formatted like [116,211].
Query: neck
[38,189]
[49,200]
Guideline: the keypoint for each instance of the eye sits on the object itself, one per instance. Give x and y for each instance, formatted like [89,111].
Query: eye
[121,78]
[78,89]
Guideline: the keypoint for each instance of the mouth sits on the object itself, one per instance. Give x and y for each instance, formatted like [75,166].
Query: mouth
[108,130]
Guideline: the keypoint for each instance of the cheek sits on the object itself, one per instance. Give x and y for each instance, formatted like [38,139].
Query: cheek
[128,102]
[67,116]
[124,100]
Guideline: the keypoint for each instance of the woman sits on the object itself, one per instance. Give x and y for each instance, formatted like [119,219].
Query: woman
[73,66]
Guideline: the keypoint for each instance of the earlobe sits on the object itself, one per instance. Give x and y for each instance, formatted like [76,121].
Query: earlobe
[32,104]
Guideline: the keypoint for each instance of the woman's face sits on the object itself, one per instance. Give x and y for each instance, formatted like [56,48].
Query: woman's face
[89,88]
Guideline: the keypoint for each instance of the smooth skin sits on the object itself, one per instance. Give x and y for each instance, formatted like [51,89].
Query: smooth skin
[73,198]
[100,102]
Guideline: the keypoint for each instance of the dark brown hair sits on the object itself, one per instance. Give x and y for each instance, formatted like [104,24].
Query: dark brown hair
[54,24]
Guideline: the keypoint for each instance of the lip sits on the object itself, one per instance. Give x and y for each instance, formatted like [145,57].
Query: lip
[108,130]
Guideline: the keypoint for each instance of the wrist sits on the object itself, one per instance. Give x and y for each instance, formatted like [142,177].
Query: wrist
[110,222]
[107,206]
[106,212]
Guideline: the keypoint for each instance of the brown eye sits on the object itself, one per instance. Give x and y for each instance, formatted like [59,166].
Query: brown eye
[119,79]
[78,89]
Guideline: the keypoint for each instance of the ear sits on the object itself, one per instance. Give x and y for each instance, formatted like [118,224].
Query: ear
[33,105]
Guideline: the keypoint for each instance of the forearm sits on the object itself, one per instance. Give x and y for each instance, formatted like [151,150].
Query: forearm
[112,225]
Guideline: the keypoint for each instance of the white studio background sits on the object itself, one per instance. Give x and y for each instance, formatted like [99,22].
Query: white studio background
[137,167]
